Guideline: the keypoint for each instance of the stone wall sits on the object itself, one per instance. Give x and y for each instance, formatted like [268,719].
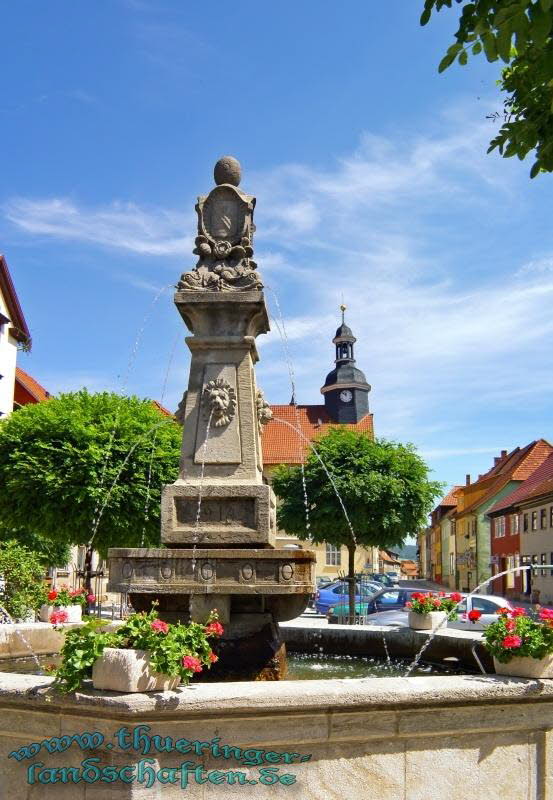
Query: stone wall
[445,738]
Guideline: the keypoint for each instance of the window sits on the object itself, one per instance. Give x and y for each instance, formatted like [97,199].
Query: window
[534,520]
[333,556]
[388,599]
[551,517]
[451,563]
[484,606]
[510,577]
[543,519]
[454,524]
[525,522]
[543,560]
[499,527]
[514,523]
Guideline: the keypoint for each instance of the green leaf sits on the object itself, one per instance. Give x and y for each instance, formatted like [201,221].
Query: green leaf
[425,16]
[463,58]
[476,48]
[546,4]
[503,42]
[540,25]
[446,62]
[535,169]
[489,42]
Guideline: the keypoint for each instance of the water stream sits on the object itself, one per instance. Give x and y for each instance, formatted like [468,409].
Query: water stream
[7,619]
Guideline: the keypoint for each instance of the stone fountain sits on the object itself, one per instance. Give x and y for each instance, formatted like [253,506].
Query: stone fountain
[218,519]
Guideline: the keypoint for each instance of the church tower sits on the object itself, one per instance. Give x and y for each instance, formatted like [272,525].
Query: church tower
[345,390]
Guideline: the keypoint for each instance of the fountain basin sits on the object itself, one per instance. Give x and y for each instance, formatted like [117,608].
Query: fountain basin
[348,738]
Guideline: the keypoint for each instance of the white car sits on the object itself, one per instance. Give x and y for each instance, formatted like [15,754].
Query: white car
[487,604]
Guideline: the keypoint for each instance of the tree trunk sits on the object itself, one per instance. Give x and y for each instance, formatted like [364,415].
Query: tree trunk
[351,583]
[87,577]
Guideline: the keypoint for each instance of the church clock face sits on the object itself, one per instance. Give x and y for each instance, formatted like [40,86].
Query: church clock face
[345,395]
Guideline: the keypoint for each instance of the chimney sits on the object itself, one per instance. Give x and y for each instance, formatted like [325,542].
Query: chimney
[496,460]
[503,454]
[467,480]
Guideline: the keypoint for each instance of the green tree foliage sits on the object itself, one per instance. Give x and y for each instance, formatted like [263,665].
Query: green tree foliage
[519,33]
[62,460]
[22,579]
[384,487]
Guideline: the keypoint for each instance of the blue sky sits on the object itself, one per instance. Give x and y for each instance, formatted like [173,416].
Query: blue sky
[371,178]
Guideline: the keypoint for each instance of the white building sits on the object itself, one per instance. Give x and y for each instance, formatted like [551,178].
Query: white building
[14,334]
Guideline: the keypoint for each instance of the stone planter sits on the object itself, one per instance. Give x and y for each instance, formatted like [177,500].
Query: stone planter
[427,622]
[120,670]
[74,612]
[526,667]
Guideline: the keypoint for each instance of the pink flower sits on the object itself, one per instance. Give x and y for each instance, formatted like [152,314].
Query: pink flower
[91,598]
[456,597]
[159,626]
[58,616]
[511,642]
[189,662]
[510,624]
[474,616]
[213,658]
[441,594]
[408,605]
[214,629]
[518,612]
[546,613]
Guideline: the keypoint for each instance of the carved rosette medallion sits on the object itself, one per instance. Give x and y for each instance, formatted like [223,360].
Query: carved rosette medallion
[207,571]
[287,572]
[221,401]
[264,413]
[224,244]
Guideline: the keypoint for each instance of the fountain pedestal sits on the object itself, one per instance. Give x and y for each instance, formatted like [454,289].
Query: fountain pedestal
[218,519]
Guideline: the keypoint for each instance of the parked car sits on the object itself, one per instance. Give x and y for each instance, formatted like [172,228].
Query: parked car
[379,577]
[487,604]
[390,613]
[384,600]
[338,592]
[321,582]
[394,577]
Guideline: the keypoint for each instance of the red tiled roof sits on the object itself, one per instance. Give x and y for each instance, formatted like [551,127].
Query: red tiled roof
[162,408]
[532,486]
[451,497]
[517,465]
[30,385]
[19,328]
[283,445]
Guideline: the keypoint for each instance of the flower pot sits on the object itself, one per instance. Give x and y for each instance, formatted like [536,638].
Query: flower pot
[526,667]
[119,670]
[427,622]
[74,612]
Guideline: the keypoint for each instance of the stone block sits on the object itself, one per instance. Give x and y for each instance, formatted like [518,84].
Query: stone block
[129,671]
[239,515]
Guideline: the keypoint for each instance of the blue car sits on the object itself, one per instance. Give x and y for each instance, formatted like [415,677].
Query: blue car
[338,592]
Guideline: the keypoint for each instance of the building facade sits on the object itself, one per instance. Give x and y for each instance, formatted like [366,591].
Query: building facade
[14,334]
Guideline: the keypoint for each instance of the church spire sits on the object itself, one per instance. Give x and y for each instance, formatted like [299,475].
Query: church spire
[345,389]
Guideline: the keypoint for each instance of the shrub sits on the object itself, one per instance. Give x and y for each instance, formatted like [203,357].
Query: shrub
[22,574]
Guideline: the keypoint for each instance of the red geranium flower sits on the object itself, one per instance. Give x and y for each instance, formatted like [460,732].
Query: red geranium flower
[214,629]
[159,626]
[510,624]
[474,616]
[58,616]
[441,594]
[189,662]
[213,658]
[91,598]
[511,642]
[503,610]
[456,597]
[518,612]
[408,605]
[52,595]
[546,613]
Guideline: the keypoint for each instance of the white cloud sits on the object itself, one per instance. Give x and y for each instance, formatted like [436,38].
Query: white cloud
[123,226]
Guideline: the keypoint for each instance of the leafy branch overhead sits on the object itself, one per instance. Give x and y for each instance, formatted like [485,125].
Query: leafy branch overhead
[519,33]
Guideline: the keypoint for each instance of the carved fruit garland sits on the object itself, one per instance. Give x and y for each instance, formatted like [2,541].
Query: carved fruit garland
[221,401]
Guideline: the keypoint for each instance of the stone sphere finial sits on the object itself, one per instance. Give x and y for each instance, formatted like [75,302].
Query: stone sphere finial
[227,170]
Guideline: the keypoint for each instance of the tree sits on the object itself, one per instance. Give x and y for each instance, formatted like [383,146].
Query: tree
[384,487]
[21,587]
[519,32]
[87,469]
